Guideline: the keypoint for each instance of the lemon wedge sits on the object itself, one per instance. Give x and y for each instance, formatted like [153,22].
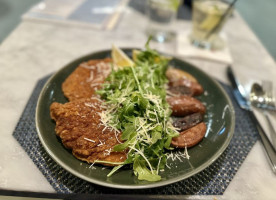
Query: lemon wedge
[120,59]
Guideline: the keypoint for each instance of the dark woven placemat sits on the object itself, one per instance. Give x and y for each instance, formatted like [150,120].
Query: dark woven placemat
[211,181]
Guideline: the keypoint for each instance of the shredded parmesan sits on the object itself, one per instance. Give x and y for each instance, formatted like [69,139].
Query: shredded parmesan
[89,104]
[101,143]
[89,140]
[117,138]
[91,166]
[91,77]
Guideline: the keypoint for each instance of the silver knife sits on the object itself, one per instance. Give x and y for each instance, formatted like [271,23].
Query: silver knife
[240,97]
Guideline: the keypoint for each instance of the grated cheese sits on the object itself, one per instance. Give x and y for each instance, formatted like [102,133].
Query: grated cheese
[89,140]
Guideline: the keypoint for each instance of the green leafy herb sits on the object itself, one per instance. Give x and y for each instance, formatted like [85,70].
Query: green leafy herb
[135,98]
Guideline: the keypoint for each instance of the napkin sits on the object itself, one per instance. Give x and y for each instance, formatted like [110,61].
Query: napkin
[87,13]
[186,49]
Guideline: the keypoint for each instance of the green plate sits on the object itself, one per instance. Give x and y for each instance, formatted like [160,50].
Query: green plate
[219,119]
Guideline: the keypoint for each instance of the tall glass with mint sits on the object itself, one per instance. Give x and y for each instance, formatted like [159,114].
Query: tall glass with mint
[207,21]
[161,15]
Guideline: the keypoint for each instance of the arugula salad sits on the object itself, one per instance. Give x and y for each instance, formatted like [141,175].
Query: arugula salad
[136,106]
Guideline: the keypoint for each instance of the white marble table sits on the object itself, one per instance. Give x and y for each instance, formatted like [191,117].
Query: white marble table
[34,50]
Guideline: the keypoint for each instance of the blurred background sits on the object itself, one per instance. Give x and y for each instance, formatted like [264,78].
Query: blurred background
[260,16]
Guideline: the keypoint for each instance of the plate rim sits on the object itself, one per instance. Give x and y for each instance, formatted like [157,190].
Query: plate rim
[211,160]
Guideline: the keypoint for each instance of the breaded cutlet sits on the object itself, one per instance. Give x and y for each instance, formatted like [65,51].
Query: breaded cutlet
[79,126]
[86,79]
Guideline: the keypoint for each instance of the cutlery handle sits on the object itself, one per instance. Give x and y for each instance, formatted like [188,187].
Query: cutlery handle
[272,130]
[270,151]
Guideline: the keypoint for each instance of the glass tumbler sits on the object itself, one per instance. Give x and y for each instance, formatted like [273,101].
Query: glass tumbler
[161,15]
[208,18]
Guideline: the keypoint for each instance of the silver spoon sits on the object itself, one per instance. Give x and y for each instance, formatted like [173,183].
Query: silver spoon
[264,101]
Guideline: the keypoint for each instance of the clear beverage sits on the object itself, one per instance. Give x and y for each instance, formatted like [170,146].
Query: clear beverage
[161,15]
[207,22]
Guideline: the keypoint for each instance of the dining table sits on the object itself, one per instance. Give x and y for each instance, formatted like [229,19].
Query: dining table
[36,49]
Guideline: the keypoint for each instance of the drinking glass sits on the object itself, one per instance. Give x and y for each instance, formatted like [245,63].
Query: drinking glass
[208,18]
[161,15]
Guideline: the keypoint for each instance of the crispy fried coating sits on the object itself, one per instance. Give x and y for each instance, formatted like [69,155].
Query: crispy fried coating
[79,126]
[86,79]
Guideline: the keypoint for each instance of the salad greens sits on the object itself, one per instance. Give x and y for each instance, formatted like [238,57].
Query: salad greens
[135,102]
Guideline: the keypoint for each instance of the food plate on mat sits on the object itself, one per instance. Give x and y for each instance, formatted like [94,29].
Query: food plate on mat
[180,163]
